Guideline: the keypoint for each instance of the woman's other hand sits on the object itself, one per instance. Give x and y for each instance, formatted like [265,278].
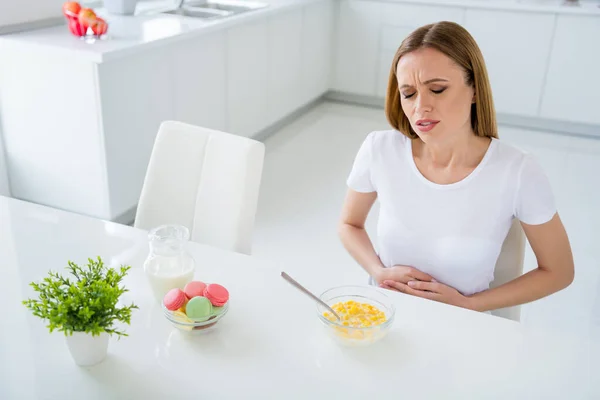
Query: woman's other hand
[402,274]
[430,290]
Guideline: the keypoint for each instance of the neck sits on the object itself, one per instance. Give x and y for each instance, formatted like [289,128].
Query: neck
[462,150]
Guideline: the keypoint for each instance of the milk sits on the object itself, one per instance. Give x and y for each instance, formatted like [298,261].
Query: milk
[161,283]
[166,273]
[168,265]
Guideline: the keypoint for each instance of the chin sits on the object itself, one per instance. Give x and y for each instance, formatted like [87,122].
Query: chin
[431,136]
[436,135]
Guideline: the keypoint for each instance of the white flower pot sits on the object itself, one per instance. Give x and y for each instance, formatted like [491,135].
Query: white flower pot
[121,7]
[86,349]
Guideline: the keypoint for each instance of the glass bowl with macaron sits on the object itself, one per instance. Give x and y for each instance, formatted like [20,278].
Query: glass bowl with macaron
[197,308]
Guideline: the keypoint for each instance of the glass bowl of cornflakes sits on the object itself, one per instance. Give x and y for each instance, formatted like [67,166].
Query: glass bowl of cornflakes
[366,314]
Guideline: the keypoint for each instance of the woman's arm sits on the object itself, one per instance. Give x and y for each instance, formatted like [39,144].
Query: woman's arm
[352,231]
[555,270]
[356,240]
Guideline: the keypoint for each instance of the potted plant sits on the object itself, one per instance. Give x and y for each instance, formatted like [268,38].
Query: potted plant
[84,307]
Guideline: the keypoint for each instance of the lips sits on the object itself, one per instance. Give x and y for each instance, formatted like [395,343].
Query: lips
[425,125]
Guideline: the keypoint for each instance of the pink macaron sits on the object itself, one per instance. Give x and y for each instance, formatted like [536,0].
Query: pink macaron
[174,299]
[194,288]
[217,294]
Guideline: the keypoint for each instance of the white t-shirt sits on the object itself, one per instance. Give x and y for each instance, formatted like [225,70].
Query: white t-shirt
[453,232]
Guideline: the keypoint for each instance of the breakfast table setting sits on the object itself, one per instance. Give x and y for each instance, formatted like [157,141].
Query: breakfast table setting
[234,328]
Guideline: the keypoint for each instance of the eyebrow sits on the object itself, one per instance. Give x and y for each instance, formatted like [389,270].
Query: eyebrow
[427,82]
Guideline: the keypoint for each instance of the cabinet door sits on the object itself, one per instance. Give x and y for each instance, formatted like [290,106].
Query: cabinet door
[136,97]
[572,90]
[247,63]
[51,131]
[357,47]
[284,64]
[397,22]
[316,49]
[391,38]
[200,81]
[516,59]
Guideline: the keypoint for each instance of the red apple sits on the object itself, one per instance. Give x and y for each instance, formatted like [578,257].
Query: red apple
[87,17]
[76,28]
[71,9]
[100,27]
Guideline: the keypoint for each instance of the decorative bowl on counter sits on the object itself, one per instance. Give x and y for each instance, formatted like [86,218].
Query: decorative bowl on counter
[83,22]
[197,308]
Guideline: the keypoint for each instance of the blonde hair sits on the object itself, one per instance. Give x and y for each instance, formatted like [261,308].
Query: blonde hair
[457,43]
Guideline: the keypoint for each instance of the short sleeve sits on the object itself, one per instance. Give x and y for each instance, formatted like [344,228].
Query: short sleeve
[360,178]
[534,202]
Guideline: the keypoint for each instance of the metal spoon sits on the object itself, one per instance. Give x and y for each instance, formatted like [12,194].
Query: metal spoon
[307,292]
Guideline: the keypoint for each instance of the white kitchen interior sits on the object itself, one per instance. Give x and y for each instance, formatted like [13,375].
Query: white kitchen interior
[308,78]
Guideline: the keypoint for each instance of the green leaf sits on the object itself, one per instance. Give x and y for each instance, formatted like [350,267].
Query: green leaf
[86,304]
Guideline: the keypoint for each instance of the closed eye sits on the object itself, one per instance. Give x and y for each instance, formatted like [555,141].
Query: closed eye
[408,96]
[438,91]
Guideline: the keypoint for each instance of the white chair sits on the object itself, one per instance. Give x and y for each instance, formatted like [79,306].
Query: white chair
[205,180]
[510,266]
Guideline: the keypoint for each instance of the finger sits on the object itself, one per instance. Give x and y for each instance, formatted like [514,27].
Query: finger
[423,293]
[422,276]
[428,286]
[383,286]
[401,287]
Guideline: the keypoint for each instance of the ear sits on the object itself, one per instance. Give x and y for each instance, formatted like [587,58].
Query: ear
[473,99]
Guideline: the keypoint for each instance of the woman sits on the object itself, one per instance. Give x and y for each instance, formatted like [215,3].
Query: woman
[448,188]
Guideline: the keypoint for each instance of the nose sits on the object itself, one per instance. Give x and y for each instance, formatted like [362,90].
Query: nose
[423,103]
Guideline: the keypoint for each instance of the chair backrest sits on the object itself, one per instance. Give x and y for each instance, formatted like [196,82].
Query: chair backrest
[206,180]
[510,266]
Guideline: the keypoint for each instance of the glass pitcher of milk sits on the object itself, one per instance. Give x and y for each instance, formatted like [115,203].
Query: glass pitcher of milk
[168,265]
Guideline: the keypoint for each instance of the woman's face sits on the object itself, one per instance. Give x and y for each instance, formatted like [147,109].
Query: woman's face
[434,95]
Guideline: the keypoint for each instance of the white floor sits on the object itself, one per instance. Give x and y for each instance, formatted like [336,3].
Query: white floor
[304,184]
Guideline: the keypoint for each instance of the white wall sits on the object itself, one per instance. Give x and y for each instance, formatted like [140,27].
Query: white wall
[20,11]
[4,186]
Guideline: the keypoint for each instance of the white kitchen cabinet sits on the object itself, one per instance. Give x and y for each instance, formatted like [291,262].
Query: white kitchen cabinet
[357,47]
[397,22]
[391,38]
[572,91]
[417,15]
[200,81]
[517,58]
[284,64]
[316,50]
[50,128]
[247,66]
[135,98]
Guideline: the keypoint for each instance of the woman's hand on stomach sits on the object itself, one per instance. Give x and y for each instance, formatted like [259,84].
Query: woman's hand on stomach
[402,274]
[430,290]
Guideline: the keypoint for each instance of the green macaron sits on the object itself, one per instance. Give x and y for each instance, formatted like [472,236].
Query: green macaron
[198,309]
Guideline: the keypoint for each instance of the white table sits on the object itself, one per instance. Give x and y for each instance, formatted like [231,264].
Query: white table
[270,345]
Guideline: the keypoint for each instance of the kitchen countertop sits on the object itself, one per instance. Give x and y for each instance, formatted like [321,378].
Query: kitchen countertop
[149,27]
